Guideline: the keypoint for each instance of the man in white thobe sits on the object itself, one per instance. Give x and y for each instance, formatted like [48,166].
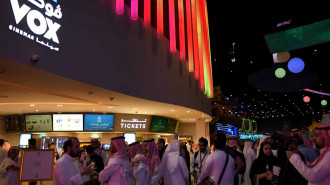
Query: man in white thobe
[66,170]
[319,171]
[3,152]
[198,159]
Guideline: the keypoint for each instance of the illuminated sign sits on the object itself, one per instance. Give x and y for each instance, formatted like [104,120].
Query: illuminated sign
[134,123]
[248,126]
[227,129]
[253,137]
[42,20]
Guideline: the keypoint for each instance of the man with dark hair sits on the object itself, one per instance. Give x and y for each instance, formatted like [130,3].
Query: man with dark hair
[161,147]
[66,169]
[3,152]
[94,158]
[215,164]
[309,154]
[198,160]
[32,143]
[98,149]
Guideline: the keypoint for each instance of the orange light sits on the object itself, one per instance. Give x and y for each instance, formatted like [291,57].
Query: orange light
[182,31]
[160,17]
[189,37]
[200,45]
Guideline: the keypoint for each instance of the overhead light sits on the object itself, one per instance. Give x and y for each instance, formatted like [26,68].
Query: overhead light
[110,107]
[37,110]
[188,111]
[93,110]
[59,105]
[134,108]
[172,110]
[31,105]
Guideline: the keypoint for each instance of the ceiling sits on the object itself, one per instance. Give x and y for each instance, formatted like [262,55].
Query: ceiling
[25,89]
[245,23]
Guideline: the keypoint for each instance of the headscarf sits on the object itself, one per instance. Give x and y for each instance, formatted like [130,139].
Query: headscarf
[136,148]
[171,156]
[264,136]
[153,155]
[248,145]
[98,146]
[302,136]
[121,147]
[325,131]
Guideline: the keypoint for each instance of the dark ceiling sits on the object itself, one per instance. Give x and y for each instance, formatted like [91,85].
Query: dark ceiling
[245,23]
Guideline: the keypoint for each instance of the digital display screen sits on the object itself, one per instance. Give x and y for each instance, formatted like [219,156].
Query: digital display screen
[98,122]
[158,124]
[24,140]
[130,137]
[171,125]
[42,122]
[227,129]
[67,122]
[14,123]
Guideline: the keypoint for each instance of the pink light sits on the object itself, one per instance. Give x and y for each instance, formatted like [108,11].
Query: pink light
[134,10]
[147,13]
[189,37]
[182,31]
[317,92]
[119,7]
[195,38]
[160,19]
[307,99]
[172,26]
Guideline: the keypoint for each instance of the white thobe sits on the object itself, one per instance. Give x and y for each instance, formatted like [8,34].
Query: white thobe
[178,176]
[116,172]
[214,165]
[10,177]
[249,158]
[141,173]
[198,163]
[67,172]
[319,174]
[3,154]
[157,174]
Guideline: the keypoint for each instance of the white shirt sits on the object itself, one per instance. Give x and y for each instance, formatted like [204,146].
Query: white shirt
[198,163]
[67,172]
[116,171]
[153,180]
[214,165]
[319,174]
[10,177]
[3,154]
[141,173]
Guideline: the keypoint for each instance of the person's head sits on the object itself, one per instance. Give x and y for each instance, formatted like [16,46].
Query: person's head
[32,143]
[51,146]
[220,141]
[13,152]
[160,143]
[322,136]
[72,146]
[2,142]
[95,143]
[135,148]
[232,143]
[90,150]
[266,149]
[202,144]
[118,147]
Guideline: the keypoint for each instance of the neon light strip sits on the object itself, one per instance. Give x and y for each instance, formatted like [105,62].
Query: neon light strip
[189,37]
[119,7]
[205,48]
[134,10]
[209,52]
[147,13]
[172,26]
[208,74]
[160,21]
[182,31]
[317,92]
[200,45]
[195,39]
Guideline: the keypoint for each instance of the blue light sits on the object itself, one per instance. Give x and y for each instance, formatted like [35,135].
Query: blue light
[296,65]
[55,1]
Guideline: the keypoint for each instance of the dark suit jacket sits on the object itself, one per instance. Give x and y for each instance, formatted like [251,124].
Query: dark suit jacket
[161,152]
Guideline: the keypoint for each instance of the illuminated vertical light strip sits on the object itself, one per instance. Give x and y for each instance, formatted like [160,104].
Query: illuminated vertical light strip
[182,31]
[134,10]
[200,45]
[195,37]
[189,37]
[119,7]
[160,19]
[209,52]
[147,13]
[205,49]
[172,25]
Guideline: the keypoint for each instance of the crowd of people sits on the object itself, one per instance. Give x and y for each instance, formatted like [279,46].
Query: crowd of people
[273,159]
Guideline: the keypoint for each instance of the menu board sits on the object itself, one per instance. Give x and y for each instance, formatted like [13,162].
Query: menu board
[171,125]
[67,122]
[158,124]
[41,122]
[14,123]
[98,122]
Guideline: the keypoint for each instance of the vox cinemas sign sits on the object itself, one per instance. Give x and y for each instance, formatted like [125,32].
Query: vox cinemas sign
[42,18]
